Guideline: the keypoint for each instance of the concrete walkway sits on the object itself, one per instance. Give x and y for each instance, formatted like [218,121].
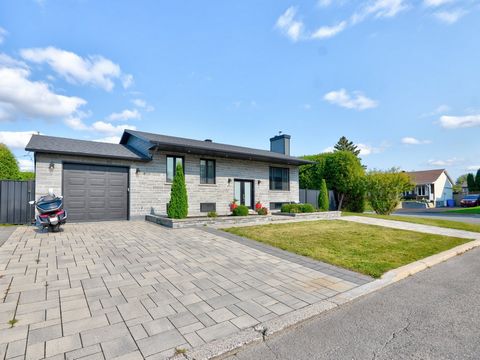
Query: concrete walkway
[135,290]
[402,225]
[5,232]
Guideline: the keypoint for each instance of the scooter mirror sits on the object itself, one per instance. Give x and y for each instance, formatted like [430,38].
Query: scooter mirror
[31,202]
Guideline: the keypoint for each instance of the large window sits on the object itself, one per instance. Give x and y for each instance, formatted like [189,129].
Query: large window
[279,178]
[172,162]
[207,171]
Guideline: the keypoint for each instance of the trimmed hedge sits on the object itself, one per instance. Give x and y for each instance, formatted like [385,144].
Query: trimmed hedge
[240,210]
[297,208]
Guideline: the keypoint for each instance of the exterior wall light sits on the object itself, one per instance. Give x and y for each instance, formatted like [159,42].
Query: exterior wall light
[137,171]
[51,166]
[259,182]
[229,181]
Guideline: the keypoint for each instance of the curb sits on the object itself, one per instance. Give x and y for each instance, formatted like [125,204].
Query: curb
[227,346]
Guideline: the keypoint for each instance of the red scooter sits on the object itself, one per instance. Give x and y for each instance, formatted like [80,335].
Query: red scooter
[51,213]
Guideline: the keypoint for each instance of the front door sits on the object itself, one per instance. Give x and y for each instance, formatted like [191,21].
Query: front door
[244,192]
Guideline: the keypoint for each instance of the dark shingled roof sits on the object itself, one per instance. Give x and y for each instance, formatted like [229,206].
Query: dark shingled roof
[58,145]
[427,176]
[207,148]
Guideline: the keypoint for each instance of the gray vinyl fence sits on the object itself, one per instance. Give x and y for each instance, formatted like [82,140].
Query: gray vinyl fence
[308,196]
[14,198]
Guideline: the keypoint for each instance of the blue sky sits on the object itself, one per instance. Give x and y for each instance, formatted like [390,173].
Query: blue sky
[399,77]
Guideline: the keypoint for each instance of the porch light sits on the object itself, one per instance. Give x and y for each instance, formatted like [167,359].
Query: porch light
[137,171]
[259,182]
[51,166]
[229,181]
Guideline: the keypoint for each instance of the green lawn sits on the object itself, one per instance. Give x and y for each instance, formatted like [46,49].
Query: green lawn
[472,210]
[425,221]
[367,249]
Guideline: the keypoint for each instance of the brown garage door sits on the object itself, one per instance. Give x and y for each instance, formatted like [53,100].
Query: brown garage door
[94,193]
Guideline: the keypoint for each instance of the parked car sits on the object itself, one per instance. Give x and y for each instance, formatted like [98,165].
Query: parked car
[470,201]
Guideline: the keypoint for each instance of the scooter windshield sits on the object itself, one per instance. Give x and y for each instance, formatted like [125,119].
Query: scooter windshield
[49,205]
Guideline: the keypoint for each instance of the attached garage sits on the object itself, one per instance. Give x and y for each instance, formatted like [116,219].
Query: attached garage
[95,192]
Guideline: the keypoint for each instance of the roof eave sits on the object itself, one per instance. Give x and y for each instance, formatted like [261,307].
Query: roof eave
[73,153]
[228,155]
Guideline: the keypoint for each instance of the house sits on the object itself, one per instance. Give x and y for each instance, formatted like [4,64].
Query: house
[434,186]
[102,181]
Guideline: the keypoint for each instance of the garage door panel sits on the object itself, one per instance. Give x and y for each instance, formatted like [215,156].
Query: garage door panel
[94,192]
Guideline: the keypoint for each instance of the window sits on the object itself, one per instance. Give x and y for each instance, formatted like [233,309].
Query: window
[276,205]
[172,162]
[422,190]
[207,207]
[207,171]
[279,178]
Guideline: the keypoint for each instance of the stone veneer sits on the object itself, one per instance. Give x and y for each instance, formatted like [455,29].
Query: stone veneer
[149,191]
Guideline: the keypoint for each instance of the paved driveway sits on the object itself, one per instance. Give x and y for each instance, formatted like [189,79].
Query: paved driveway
[134,289]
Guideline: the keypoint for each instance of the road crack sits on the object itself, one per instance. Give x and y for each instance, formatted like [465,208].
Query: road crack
[391,338]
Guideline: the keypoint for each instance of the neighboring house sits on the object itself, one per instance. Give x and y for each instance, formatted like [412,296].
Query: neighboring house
[435,186]
[464,188]
[102,181]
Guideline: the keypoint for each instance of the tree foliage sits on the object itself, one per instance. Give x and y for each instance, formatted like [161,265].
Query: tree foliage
[343,173]
[311,175]
[323,200]
[477,180]
[178,205]
[472,186]
[385,188]
[8,164]
[344,144]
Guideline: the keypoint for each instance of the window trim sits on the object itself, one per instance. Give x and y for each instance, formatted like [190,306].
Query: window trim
[270,178]
[206,171]
[175,157]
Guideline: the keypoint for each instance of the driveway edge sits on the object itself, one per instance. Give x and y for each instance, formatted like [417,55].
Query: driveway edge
[227,346]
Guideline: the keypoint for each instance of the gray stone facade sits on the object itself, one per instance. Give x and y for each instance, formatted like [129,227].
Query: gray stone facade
[149,192]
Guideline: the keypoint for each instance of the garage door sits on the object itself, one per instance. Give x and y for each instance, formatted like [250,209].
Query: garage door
[94,193]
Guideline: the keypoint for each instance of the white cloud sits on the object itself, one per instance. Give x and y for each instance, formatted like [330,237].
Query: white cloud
[324,3]
[16,139]
[109,139]
[289,26]
[436,3]
[441,109]
[25,164]
[356,101]
[414,141]
[125,115]
[379,9]
[20,96]
[93,70]
[450,17]
[142,104]
[325,32]
[76,123]
[127,81]
[455,122]
[447,162]
[110,130]
[3,34]
[473,167]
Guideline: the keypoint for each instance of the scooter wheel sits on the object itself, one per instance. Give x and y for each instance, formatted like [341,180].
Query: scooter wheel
[54,228]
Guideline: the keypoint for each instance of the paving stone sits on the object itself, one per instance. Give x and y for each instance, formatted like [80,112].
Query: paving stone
[194,340]
[199,308]
[253,309]
[77,326]
[134,355]
[217,331]
[106,333]
[221,315]
[182,319]
[118,346]
[157,326]
[280,308]
[191,328]
[16,348]
[35,351]
[222,301]
[75,314]
[13,334]
[81,353]
[244,321]
[44,334]
[132,310]
[62,345]
[160,342]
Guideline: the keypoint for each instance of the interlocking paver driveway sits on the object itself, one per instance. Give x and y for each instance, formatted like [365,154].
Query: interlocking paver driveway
[134,289]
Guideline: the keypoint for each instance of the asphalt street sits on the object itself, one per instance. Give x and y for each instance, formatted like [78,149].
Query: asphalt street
[434,314]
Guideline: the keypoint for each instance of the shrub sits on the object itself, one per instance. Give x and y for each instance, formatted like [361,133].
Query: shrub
[355,200]
[297,208]
[212,214]
[262,211]
[178,205]
[385,189]
[240,210]
[323,203]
